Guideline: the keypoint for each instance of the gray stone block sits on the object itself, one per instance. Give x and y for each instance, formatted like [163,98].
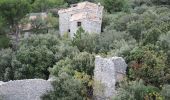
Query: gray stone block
[107,72]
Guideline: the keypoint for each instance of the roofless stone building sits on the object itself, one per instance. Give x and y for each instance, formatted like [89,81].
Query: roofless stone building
[85,14]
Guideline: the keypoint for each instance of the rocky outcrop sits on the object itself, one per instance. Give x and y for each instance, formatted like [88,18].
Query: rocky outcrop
[107,72]
[30,89]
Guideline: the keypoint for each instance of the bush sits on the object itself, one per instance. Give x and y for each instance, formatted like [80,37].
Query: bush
[114,5]
[6,57]
[84,62]
[66,87]
[4,41]
[148,63]
[84,41]
[136,90]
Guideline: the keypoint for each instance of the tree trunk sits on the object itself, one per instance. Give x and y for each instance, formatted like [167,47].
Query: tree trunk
[16,37]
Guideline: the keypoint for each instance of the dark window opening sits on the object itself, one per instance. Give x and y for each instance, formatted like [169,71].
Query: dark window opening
[78,24]
[74,5]
[68,30]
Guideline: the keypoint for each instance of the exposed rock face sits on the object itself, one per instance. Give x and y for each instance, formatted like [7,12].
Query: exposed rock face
[107,72]
[31,89]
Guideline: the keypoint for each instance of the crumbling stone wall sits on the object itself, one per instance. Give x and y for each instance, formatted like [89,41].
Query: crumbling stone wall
[107,72]
[31,89]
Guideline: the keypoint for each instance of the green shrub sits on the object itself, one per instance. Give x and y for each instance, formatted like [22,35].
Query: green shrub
[66,87]
[136,90]
[4,41]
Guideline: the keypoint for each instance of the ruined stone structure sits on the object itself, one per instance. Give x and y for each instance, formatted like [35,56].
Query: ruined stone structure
[107,72]
[86,15]
[33,16]
[27,27]
[31,89]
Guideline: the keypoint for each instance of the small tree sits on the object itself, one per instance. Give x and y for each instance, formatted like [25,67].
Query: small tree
[13,11]
[84,41]
[148,64]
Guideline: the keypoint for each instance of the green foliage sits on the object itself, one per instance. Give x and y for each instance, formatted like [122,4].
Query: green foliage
[79,68]
[66,87]
[14,10]
[152,36]
[62,66]
[107,18]
[76,1]
[135,29]
[44,5]
[2,25]
[114,5]
[164,41]
[102,43]
[35,57]
[4,41]
[136,90]
[138,30]
[84,62]
[84,41]
[35,62]
[6,56]
[121,21]
[161,2]
[149,64]
[111,40]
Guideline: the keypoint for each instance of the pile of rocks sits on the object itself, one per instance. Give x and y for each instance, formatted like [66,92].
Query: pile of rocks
[30,89]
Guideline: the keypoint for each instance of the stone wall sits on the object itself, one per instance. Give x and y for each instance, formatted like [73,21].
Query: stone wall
[107,72]
[31,89]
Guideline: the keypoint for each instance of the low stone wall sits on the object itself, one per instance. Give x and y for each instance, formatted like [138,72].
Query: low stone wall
[30,89]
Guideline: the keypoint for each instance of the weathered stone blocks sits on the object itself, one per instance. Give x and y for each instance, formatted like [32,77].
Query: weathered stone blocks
[30,89]
[107,72]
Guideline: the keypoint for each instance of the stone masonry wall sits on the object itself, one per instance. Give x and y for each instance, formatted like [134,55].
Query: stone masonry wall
[107,72]
[31,89]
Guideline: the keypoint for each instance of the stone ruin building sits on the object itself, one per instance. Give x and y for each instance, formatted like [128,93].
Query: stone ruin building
[85,14]
[107,72]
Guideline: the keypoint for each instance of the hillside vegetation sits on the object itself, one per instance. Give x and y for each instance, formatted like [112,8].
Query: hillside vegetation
[137,30]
